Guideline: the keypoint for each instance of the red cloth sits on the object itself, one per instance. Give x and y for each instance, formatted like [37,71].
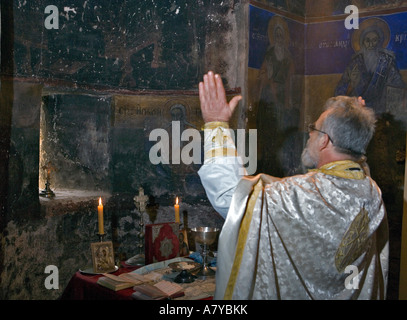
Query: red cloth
[84,287]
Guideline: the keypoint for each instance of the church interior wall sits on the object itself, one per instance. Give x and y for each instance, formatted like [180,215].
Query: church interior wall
[327,50]
[80,94]
[92,89]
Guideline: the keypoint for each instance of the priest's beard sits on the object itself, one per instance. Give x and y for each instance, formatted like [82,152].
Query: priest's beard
[308,160]
[371,58]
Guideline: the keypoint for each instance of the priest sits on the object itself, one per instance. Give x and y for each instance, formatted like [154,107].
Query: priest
[319,235]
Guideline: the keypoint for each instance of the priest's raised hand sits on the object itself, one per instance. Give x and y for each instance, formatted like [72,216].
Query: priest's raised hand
[212,95]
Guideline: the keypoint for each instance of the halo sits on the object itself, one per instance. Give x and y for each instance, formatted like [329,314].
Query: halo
[371,24]
[273,23]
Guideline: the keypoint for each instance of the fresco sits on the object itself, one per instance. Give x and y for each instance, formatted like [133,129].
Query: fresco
[276,57]
[139,44]
[367,62]
[373,68]
[339,5]
[369,59]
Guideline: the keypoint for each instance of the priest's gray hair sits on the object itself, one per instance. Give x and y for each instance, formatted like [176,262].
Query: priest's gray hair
[349,124]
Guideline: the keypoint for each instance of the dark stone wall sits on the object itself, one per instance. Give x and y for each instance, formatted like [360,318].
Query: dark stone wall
[76,140]
[146,44]
[63,87]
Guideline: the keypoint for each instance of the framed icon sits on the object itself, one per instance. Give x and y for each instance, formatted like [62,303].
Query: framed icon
[103,257]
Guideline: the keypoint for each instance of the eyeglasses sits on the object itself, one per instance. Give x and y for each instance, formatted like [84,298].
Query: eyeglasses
[311,127]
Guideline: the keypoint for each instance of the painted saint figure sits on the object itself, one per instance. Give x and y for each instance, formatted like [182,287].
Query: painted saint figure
[373,67]
[274,111]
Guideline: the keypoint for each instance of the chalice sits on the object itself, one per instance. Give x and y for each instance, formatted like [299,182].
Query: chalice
[205,236]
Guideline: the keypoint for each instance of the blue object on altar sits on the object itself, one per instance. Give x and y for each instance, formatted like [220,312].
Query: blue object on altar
[197,257]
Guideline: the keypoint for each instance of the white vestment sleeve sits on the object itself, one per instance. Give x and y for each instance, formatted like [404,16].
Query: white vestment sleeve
[220,181]
[222,168]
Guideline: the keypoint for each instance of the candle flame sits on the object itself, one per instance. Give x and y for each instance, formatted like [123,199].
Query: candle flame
[100,201]
[176,201]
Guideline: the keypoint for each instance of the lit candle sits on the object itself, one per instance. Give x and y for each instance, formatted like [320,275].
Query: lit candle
[100,217]
[176,208]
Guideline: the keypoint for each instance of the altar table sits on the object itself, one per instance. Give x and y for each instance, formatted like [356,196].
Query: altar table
[85,287]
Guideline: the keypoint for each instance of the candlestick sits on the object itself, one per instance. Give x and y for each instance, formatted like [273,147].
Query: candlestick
[47,192]
[176,208]
[100,217]
[140,201]
[101,237]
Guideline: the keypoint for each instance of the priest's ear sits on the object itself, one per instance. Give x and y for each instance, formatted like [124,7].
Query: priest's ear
[323,141]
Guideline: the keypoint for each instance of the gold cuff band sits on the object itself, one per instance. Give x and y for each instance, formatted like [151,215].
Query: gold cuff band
[215,124]
[221,152]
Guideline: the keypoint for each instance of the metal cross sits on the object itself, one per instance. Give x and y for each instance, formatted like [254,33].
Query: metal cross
[141,200]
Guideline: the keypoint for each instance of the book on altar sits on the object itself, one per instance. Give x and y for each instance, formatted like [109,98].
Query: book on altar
[159,291]
[161,242]
[122,281]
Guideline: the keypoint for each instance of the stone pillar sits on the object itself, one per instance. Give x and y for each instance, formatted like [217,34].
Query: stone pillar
[6,101]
